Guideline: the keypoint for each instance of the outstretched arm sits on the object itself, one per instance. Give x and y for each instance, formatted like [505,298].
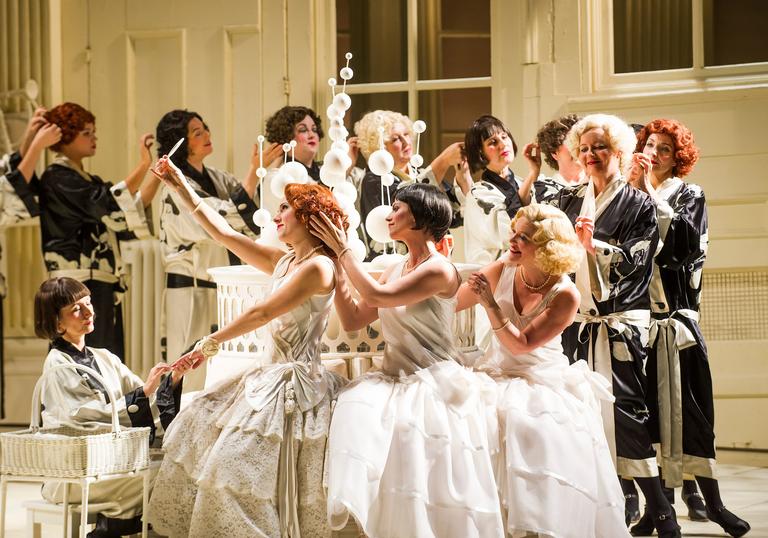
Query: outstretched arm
[260,256]
[422,283]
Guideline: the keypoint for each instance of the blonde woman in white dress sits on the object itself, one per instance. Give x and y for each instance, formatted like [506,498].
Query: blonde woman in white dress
[555,472]
[409,449]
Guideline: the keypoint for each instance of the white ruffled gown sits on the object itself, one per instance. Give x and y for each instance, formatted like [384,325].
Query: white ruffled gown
[246,457]
[555,472]
[409,452]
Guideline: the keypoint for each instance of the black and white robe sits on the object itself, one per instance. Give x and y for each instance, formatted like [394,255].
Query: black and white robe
[679,378]
[82,218]
[611,327]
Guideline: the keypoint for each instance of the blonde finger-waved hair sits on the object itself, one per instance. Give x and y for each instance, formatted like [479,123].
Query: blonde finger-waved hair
[558,248]
[621,137]
[367,128]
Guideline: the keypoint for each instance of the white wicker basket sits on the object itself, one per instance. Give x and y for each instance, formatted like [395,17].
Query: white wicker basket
[70,452]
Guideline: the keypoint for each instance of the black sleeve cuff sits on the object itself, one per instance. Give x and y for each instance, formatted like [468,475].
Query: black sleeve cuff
[246,207]
[15,160]
[137,405]
[26,191]
[168,400]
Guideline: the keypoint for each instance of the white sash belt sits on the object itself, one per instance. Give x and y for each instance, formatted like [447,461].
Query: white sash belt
[599,356]
[670,335]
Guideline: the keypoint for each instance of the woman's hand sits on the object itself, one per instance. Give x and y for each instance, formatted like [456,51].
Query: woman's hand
[463,176]
[169,173]
[640,174]
[532,156]
[154,378]
[33,126]
[333,235]
[480,286]
[273,155]
[145,146]
[183,365]
[585,229]
[354,150]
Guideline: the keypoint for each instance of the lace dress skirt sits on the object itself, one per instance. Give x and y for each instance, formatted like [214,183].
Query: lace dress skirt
[227,464]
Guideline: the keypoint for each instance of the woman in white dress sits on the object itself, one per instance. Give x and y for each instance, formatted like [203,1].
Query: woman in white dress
[554,471]
[246,457]
[409,450]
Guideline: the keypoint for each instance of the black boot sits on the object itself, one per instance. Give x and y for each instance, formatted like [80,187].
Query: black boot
[644,525]
[696,509]
[108,527]
[730,522]
[631,508]
[666,525]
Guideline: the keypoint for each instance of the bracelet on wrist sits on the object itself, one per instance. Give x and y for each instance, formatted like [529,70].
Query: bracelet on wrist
[500,327]
[343,251]
[207,346]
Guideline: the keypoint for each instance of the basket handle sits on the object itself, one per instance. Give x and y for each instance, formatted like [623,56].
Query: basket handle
[34,423]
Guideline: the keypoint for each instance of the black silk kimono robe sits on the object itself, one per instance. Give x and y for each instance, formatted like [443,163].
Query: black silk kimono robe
[679,380]
[611,327]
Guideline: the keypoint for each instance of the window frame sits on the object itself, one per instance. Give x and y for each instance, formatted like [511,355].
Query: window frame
[598,43]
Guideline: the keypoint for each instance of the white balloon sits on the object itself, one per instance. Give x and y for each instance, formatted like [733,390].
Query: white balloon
[346,190]
[262,218]
[381,162]
[376,223]
[269,236]
[345,203]
[353,217]
[351,232]
[337,133]
[416,160]
[346,73]
[261,172]
[358,249]
[337,122]
[331,177]
[296,171]
[341,145]
[387,179]
[419,126]
[337,161]
[278,183]
[334,112]
[342,101]
[382,261]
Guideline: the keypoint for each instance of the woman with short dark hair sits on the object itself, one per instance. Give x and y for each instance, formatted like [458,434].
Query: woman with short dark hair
[82,217]
[64,315]
[492,201]
[417,461]
[189,300]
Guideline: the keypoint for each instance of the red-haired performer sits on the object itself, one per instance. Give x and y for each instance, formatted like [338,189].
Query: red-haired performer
[82,217]
[679,394]
[245,458]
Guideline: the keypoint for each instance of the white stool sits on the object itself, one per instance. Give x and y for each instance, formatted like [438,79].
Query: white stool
[43,512]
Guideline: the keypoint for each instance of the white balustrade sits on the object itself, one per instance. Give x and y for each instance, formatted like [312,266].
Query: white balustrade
[240,287]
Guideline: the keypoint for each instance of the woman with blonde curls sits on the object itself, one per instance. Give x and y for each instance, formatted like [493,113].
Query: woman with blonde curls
[246,458]
[554,471]
[617,227]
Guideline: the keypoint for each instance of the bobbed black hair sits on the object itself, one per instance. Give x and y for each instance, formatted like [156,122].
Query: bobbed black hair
[481,130]
[430,207]
[172,126]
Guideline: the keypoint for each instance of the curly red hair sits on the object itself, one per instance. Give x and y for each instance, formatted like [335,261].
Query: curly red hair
[686,151]
[71,119]
[309,200]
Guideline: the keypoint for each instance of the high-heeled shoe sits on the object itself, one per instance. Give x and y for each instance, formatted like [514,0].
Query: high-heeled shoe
[645,526]
[730,522]
[696,509]
[666,525]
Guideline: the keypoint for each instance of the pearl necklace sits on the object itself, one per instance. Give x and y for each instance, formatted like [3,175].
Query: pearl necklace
[531,287]
[297,261]
[406,270]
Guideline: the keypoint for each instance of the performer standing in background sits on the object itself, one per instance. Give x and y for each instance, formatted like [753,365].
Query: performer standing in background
[568,171]
[409,447]
[82,217]
[246,457]
[495,199]
[190,295]
[617,226]
[18,198]
[398,137]
[679,395]
[555,472]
